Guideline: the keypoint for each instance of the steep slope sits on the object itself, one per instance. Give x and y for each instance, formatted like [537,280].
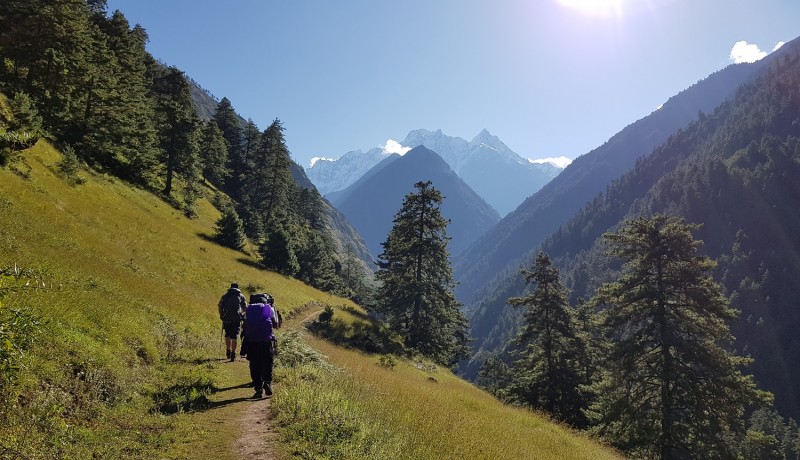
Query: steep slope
[344,235]
[127,360]
[127,329]
[518,233]
[736,172]
[371,203]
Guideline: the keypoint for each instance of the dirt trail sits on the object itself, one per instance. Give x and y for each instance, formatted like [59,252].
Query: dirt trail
[258,437]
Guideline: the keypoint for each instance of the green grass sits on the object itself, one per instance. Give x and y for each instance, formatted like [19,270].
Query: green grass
[358,407]
[126,359]
[128,310]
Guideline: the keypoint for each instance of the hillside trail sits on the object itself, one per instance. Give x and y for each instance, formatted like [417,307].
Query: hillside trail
[257,437]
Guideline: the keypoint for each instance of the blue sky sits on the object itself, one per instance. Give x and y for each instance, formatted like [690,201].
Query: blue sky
[550,78]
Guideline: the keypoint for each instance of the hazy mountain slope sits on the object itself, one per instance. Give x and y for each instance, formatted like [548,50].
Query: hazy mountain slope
[736,172]
[517,234]
[330,176]
[372,202]
[345,236]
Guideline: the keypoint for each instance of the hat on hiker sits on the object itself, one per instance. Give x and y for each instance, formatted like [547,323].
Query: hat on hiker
[234,285]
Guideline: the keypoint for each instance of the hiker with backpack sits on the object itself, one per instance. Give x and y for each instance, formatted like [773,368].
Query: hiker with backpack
[231,307]
[260,320]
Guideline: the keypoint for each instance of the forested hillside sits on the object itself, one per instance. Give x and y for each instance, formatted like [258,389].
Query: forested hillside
[80,76]
[516,236]
[735,172]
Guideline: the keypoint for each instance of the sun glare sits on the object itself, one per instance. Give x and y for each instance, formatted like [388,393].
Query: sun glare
[595,7]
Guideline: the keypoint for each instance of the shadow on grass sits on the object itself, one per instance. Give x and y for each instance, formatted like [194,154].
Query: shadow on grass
[207,237]
[225,402]
[250,263]
[243,385]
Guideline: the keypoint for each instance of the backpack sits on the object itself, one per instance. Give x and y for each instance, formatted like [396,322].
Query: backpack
[230,307]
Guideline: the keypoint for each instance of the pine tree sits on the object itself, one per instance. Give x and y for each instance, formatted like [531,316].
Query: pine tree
[278,252]
[269,183]
[547,371]
[214,154]
[230,229]
[228,122]
[416,294]
[670,389]
[178,126]
[317,267]
[129,113]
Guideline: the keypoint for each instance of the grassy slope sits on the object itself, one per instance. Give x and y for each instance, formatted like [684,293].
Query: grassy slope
[131,311]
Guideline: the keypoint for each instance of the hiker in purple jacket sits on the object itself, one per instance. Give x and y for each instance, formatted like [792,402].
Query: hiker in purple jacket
[260,320]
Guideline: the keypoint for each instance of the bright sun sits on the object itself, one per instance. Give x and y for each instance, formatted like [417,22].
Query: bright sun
[596,7]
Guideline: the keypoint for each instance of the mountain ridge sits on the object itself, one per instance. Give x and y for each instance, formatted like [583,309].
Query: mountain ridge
[371,202]
[499,175]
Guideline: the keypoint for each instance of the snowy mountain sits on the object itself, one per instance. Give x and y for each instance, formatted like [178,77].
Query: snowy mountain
[499,175]
[334,175]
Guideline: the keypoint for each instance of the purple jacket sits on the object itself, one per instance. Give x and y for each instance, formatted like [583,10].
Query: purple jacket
[259,321]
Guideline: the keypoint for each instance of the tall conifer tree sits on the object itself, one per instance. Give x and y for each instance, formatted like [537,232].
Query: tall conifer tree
[416,293]
[178,126]
[547,371]
[214,154]
[671,388]
[228,122]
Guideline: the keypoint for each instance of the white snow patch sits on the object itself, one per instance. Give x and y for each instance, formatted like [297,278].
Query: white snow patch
[489,147]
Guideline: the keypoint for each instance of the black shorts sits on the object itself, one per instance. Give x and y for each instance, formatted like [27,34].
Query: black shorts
[232,329]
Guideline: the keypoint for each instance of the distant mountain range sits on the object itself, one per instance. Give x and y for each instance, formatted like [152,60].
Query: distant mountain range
[372,201]
[496,173]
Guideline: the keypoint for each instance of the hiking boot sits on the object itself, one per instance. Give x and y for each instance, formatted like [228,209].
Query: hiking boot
[268,389]
[258,395]
[227,354]
[233,356]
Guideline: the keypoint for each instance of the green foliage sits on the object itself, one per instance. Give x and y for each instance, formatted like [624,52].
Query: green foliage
[214,155]
[25,117]
[278,252]
[188,394]
[416,294]
[769,437]
[670,386]
[229,229]
[70,165]
[18,328]
[228,123]
[546,372]
[178,130]
[362,333]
